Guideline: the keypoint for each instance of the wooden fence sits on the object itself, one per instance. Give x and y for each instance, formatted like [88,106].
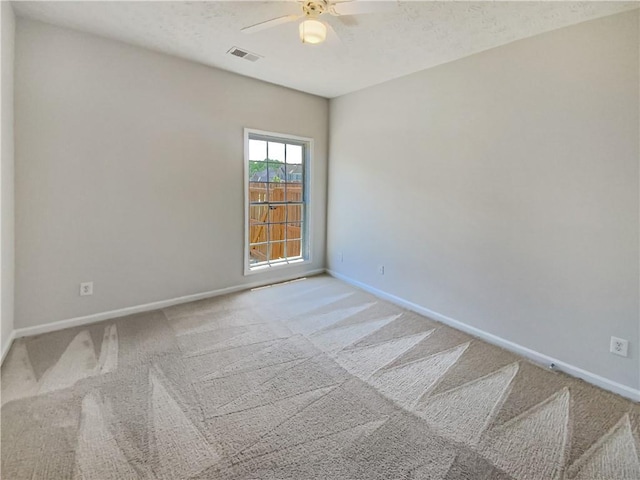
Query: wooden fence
[280,225]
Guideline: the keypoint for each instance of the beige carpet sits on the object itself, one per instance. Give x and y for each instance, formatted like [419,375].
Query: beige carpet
[307,380]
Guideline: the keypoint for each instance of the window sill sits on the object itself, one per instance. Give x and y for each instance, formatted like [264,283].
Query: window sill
[269,267]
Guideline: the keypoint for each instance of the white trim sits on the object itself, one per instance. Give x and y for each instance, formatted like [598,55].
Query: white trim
[310,174]
[268,267]
[122,312]
[532,355]
[536,357]
[7,346]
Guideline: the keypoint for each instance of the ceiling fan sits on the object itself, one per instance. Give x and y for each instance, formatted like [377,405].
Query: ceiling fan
[314,31]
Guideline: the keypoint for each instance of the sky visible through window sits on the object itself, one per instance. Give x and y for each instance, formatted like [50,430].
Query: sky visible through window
[276,151]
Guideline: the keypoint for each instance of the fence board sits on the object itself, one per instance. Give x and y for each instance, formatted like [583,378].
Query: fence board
[273,223]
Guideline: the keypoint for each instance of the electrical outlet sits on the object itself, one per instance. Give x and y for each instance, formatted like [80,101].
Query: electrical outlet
[381,269]
[619,346]
[86,288]
[341,257]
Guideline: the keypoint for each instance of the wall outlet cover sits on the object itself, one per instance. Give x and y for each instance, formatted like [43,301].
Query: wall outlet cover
[86,288]
[619,346]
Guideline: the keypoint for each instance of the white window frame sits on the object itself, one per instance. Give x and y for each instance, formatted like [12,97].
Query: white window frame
[306,242]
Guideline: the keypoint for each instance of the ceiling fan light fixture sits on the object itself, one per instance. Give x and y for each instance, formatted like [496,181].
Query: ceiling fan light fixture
[312,31]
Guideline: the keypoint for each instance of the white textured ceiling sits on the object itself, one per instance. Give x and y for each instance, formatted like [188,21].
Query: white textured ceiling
[417,35]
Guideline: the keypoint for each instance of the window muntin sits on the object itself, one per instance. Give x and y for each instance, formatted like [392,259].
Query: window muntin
[277,225]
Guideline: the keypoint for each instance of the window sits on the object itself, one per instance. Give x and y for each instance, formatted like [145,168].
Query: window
[277,200]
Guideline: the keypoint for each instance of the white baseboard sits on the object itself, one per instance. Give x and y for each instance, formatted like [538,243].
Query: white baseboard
[7,345]
[123,312]
[532,355]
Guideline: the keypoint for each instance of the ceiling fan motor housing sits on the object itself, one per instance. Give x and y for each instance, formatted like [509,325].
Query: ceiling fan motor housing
[313,8]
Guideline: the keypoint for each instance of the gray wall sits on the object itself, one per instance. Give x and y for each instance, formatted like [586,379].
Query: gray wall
[129,173]
[501,190]
[6,175]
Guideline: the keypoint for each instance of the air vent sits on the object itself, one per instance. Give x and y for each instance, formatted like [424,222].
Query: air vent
[238,52]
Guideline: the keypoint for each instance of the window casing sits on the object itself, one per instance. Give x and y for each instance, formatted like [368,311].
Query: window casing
[277,220]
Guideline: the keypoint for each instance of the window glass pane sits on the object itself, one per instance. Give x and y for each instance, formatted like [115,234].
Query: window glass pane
[257,150]
[294,213]
[294,154]
[277,171]
[276,192]
[276,232]
[294,173]
[258,253]
[276,151]
[258,214]
[258,233]
[258,192]
[276,251]
[277,214]
[294,248]
[294,231]
[257,171]
[294,192]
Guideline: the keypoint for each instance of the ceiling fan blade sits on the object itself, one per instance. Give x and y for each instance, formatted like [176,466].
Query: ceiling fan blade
[274,22]
[360,7]
[347,20]
[333,38]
